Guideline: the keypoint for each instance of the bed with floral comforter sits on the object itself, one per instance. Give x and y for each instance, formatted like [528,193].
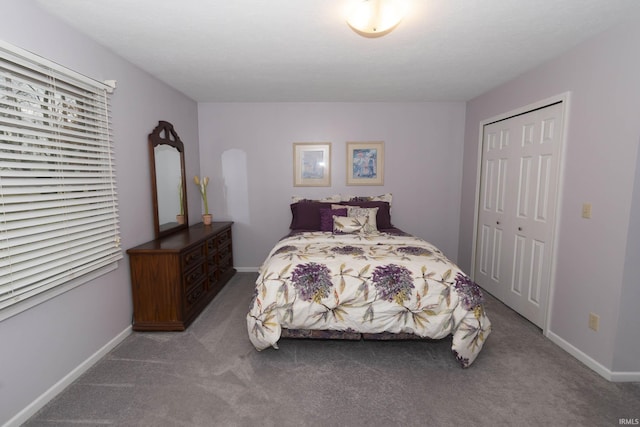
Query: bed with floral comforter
[366,283]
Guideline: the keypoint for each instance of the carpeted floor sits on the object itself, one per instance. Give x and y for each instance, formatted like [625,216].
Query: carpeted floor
[211,375]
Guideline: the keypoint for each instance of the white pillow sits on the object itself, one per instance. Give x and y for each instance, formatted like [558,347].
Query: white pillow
[370,213]
[372,224]
[349,224]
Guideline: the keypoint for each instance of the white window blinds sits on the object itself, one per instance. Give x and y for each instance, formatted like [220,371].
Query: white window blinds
[58,201]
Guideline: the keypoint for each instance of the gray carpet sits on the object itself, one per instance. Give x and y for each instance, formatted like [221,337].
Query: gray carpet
[211,375]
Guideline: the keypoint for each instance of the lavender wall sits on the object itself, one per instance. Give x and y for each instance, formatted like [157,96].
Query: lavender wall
[423,170]
[42,345]
[627,350]
[600,167]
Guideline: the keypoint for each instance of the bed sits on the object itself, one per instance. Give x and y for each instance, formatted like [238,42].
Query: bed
[344,271]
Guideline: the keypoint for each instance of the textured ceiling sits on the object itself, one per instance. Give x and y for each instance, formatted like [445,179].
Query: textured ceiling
[302,50]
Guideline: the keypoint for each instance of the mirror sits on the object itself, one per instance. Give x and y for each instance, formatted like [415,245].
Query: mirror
[168,180]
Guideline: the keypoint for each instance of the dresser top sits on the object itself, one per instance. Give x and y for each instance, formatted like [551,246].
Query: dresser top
[184,238]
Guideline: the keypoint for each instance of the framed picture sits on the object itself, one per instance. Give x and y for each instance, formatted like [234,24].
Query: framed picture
[365,163]
[311,164]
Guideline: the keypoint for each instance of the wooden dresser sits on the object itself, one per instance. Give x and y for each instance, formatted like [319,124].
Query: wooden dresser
[173,278]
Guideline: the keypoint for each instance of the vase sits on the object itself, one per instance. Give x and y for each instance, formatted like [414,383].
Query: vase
[180,219]
[207,218]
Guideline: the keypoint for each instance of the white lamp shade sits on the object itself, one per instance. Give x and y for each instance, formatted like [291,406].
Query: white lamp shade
[375,18]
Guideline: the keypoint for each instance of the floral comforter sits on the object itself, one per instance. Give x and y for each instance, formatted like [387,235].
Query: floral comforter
[369,283]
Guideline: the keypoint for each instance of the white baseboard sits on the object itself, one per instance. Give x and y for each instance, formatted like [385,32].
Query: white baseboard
[22,416]
[620,377]
[247,269]
[609,375]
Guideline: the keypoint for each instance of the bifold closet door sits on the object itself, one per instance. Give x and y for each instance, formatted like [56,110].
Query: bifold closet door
[516,217]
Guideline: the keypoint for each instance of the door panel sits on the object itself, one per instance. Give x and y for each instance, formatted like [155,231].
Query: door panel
[518,265]
[518,191]
[523,187]
[496,255]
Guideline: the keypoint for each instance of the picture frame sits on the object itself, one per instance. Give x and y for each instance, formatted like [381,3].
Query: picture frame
[365,163]
[311,164]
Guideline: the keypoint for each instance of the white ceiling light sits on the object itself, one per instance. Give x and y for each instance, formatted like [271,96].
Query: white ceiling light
[375,18]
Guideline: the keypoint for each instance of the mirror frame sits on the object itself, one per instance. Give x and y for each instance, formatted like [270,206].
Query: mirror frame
[165,134]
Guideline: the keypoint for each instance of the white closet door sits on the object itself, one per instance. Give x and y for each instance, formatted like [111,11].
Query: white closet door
[518,197]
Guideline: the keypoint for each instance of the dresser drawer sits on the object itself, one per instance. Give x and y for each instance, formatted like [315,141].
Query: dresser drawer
[197,293]
[193,276]
[223,238]
[225,262]
[193,257]
[224,253]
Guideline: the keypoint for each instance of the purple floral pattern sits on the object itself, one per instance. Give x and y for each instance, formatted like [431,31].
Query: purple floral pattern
[469,291]
[393,283]
[312,281]
[463,361]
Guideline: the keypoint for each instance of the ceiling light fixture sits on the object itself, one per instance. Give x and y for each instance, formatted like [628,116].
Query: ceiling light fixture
[375,18]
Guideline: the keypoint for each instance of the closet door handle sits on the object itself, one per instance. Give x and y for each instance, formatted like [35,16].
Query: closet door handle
[519,228]
[498,222]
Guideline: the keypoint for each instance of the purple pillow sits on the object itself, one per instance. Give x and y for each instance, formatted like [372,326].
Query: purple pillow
[306,215]
[326,217]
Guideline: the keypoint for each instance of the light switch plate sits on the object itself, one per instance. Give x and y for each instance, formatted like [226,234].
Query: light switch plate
[594,322]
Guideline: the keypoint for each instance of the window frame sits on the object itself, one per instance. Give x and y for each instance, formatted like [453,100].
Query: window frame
[84,105]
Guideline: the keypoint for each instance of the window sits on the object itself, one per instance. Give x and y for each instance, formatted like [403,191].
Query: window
[58,202]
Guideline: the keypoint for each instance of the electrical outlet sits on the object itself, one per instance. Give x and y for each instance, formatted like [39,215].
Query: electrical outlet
[586,210]
[594,321]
